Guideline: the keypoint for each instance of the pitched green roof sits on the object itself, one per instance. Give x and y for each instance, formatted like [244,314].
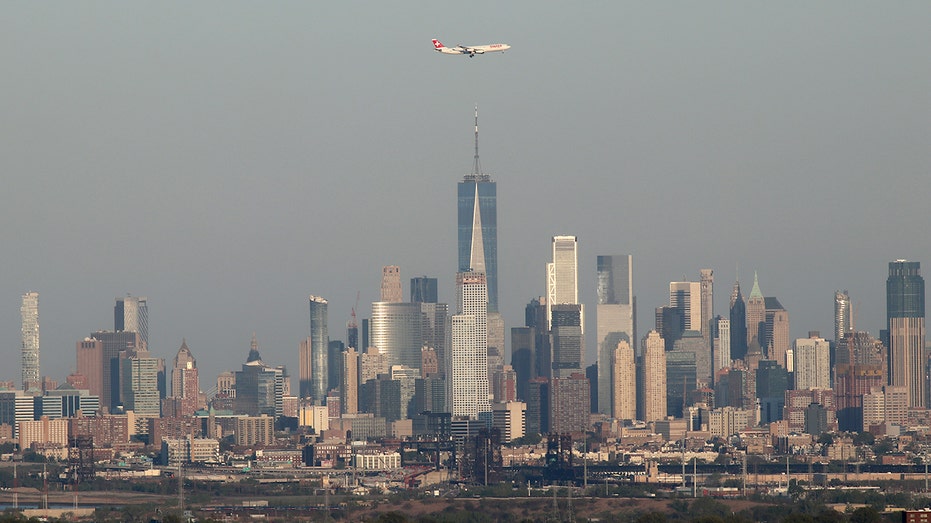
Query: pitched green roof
[755,292]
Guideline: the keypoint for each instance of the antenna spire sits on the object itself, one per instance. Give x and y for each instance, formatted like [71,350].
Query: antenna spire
[477,166]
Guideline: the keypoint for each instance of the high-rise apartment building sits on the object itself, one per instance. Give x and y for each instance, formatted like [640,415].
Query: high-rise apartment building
[812,363]
[653,371]
[478,226]
[29,312]
[423,290]
[756,314]
[391,284]
[314,354]
[905,316]
[738,324]
[570,403]
[615,320]
[131,314]
[842,315]
[467,365]
[538,406]
[624,380]
[562,274]
[349,384]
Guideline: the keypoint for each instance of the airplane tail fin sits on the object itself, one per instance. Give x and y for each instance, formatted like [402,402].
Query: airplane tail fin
[438,44]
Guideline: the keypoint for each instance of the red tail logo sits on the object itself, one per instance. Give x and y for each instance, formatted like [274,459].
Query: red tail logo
[437,44]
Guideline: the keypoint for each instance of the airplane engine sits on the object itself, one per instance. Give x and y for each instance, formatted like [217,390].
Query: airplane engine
[479,51]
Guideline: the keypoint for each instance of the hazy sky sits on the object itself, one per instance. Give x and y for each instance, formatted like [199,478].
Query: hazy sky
[227,159]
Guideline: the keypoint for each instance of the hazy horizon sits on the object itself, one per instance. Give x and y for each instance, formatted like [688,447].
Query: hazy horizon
[228,159]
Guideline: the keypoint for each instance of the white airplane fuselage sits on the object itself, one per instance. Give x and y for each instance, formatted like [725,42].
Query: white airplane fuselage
[470,50]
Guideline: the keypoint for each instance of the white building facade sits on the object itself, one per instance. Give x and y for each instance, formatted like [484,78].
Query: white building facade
[467,365]
[812,363]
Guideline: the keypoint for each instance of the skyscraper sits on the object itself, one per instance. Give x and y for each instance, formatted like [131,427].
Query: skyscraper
[523,355]
[313,367]
[681,379]
[467,365]
[29,312]
[772,381]
[812,363]
[777,331]
[842,313]
[570,403]
[139,386]
[535,318]
[706,277]
[423,290]
[185,384]
[562,274]
[397,330]
[131,314]
[653,372]
[435,318]
[624,378]
[859,368]
[567,340]
[112,344]
[722,345]
[738,324]
[89,356]
[756,314]
[478,225]
[686,296]
[349,384]
[391,284]
[905,314]
[615,320]
[259,387]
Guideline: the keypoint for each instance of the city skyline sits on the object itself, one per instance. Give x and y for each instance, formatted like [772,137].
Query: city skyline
[225,179]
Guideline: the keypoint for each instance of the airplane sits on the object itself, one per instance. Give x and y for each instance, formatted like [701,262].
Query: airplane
[470,50]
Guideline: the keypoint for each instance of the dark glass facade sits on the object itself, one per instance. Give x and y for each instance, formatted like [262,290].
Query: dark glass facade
[905,290]
[488,211]
[315,384]
[738,317]
[423,290]
[566,336]
[614,280]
